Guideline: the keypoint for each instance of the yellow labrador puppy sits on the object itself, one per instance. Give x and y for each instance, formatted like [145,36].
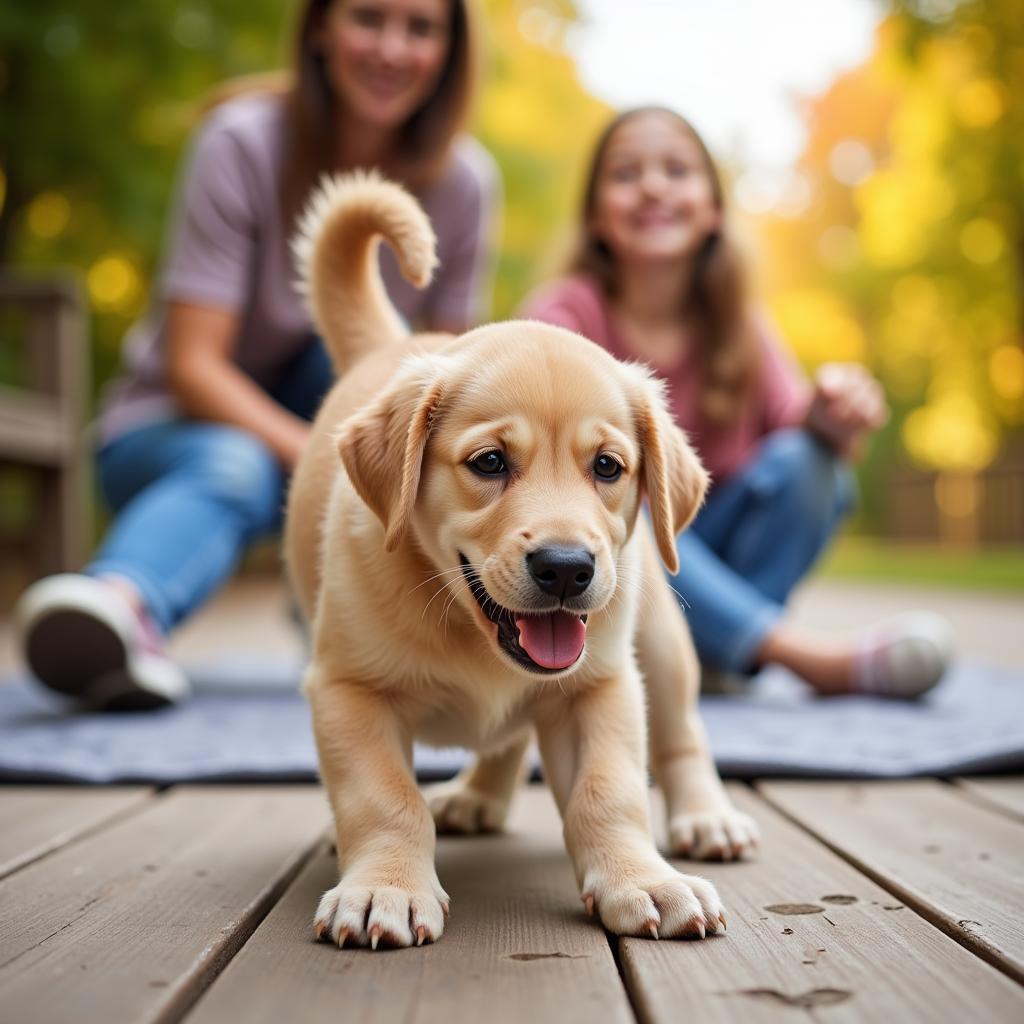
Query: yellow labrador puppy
[464,533]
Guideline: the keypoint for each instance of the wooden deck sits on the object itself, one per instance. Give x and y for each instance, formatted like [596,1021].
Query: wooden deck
[888,902]
[870,902]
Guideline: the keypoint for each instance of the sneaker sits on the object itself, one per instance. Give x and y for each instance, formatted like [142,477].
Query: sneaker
[82,638]
[904,657]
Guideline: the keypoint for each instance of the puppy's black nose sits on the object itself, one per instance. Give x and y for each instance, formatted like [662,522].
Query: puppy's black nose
[564,572]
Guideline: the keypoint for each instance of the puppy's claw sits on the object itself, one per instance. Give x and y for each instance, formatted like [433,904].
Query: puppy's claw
[421,935]
[652,929]
[342,936]
[721,917]
[700,929]
[375,934]
[319,927]
[446,908]
[588,904]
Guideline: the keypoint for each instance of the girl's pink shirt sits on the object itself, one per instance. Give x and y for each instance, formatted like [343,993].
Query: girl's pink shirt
[780,400]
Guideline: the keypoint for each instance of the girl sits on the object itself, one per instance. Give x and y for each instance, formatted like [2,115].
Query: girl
[200,432]
[658,279]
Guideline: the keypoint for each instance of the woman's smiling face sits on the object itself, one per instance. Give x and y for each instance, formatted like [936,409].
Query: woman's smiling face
[654,198]
[383,58]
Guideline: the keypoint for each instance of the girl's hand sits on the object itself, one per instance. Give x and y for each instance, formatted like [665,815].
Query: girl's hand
[847,404]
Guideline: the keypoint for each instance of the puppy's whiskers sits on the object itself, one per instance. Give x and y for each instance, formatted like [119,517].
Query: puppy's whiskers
[437,575]
[637,579]
[450,586]
[456,573]
[646,601]
[444,614]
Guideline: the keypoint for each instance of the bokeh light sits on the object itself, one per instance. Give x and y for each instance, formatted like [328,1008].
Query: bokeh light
[851,162]
[982,240]
[48,214]
[951,432]
[980,103]
[819,327]
[1006,372]
[113,283]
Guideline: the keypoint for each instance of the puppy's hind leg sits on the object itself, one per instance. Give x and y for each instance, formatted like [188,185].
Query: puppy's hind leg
[702,822]
[478,798]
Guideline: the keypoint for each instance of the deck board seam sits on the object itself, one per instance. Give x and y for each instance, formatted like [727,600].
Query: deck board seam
[49,847]
[963,938]
[615,947]
[982,801]
[208,969]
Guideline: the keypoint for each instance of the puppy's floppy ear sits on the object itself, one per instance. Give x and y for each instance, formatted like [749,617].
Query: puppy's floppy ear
[673,477]
[382,445]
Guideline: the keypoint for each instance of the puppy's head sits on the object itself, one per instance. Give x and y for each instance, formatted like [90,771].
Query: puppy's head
[518,458]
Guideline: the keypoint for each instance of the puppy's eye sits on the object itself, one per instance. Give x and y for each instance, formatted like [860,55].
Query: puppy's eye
[606,468]
[489,463]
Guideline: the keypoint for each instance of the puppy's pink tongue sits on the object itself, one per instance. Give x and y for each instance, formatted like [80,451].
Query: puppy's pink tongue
[554,640]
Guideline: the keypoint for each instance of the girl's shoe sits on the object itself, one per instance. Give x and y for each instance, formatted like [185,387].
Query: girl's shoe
[904,657]
[82,638]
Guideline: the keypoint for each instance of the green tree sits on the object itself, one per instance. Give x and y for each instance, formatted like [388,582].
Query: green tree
[97,100]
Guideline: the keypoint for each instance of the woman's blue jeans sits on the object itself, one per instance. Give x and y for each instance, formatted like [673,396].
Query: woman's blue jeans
[189,496]
[754,540]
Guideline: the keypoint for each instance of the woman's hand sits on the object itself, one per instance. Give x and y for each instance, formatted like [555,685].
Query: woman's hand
[848,403]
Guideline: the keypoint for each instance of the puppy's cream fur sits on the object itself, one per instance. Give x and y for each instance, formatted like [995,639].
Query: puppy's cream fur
[385,509]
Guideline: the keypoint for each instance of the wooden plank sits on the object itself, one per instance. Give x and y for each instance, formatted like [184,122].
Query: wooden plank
[517,946]
[36,820]
[35,429]
[130,924]
[1005,794]
[956,863]
[810,934]
[51,288]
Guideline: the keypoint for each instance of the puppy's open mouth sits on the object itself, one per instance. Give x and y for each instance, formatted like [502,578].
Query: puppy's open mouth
[540,641]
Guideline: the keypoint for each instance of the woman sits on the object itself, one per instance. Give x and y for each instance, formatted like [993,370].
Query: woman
[658,279]
[200,432]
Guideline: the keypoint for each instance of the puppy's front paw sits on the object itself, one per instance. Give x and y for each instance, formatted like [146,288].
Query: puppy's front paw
[458,808]
[662,905]
[381,915]
[726,834]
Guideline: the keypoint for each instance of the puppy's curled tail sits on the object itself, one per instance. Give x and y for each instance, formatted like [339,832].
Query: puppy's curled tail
[336,254]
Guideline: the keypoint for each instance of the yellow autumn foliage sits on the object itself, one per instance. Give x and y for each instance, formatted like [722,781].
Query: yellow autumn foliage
[922,254]
[818,326]
[541,125]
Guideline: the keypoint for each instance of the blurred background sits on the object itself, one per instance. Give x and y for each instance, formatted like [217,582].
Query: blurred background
[875,155]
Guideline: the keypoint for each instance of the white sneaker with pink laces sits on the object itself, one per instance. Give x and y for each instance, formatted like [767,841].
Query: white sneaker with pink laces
[81,637]
[903,657]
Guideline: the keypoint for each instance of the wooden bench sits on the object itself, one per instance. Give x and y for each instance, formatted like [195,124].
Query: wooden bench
[41,421]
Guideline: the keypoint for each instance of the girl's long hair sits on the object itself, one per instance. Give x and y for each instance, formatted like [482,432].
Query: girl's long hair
[718,298]
[424,141]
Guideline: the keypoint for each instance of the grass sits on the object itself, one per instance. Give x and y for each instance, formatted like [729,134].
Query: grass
[874,560]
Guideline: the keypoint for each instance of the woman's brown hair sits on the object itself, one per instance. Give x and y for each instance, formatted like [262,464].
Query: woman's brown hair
[424,143]
[718,298]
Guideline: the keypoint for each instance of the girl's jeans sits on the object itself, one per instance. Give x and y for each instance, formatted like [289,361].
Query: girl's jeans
[754,540]
[190,496]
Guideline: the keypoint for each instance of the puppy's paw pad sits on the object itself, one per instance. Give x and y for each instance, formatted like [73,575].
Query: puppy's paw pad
[667,906]
[727,834]
[379,916]
[459,809]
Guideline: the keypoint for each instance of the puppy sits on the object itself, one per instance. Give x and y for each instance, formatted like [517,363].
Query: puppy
[464,533]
